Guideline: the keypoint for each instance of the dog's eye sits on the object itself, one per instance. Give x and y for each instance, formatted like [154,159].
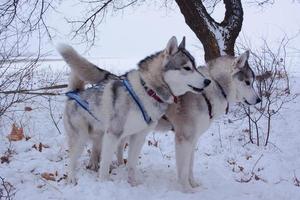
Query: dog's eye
[247,82]
[187,68]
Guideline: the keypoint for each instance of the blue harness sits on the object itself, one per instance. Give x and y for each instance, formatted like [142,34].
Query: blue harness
[137,100]
[74,95]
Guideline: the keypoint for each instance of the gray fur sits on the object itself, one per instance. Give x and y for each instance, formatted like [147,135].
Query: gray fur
[118,115]
[79,75]
[144,62]
[189,118]
[246,74]
[116,85]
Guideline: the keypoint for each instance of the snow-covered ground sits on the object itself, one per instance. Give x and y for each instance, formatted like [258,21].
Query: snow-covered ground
[223,156]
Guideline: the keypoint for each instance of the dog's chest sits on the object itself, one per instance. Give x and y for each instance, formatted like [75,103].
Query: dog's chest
[135,123]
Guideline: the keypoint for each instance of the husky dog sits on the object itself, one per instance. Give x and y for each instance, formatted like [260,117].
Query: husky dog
[127,106]
[232,81]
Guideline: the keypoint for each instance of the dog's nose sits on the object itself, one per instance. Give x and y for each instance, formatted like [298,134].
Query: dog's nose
[206,82]
[258,100]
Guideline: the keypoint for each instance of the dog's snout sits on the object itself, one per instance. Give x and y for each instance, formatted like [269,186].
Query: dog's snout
[258,100]
[207,82]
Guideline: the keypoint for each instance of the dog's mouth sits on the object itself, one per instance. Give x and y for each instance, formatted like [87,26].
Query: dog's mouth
[195,88]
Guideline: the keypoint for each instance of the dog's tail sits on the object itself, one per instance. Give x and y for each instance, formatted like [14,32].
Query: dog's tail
[82,71]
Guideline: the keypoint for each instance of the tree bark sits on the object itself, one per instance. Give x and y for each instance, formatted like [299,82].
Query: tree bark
[217,38]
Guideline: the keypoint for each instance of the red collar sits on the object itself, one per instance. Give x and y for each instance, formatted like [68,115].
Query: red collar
[175,99]
[153,94]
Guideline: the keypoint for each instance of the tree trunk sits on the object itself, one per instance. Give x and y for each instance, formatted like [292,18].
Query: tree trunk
[217,38]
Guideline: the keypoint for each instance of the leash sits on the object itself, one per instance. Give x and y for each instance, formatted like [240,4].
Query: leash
[137,100]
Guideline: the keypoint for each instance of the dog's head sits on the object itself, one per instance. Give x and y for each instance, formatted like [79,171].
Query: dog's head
[243,77]
[179,69]
[172,72]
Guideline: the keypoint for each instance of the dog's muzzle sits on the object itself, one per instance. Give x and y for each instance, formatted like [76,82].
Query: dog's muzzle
[206,83]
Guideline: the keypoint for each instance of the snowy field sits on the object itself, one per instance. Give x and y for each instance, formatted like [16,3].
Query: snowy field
[224,158]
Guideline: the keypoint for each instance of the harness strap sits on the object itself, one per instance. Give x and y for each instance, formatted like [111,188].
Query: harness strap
[224,95]
[74,95]
[137,100]
[209,106]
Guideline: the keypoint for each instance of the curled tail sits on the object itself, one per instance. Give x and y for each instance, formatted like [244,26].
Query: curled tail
[81,69]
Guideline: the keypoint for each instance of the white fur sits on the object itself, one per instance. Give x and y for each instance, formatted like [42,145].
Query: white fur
[190,126]
[191,119]
[118,115]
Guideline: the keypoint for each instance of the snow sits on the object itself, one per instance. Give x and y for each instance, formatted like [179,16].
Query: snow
[223,156]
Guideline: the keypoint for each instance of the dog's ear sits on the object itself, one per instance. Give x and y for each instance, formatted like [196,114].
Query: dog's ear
[172,46]
[241,60]
[182,43]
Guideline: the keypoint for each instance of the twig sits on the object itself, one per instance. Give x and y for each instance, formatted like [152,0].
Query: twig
[32,91]
[7,191]
[220,138]
[47,182]
[252,172]
[52,117]
[37,89]
[163,156]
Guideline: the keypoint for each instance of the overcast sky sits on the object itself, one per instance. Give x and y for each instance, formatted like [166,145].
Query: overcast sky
[138,32]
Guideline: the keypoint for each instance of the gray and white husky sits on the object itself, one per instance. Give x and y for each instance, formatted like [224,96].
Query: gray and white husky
[232,81]
[113,112]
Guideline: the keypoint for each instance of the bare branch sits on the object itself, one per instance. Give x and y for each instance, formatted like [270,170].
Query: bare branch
[273,86]
[7,190]
[85,26]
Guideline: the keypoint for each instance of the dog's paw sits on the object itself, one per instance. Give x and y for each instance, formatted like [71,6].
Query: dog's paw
[93,166]
[71,180]
[188,189]
[120,162]
[104,178]
[194,183]
[132,177]
[133,182]
[114,165]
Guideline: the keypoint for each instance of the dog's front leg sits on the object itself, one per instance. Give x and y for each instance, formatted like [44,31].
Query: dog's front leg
[192,180]
[136,143]
[184,149]
[120,151]
[109,145]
